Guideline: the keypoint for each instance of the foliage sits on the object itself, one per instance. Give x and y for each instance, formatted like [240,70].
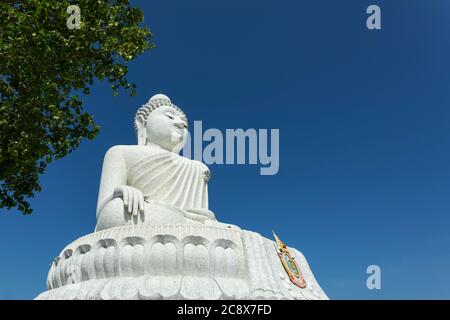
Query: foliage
[43,65]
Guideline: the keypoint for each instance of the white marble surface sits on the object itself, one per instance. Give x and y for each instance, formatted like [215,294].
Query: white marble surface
[150,182]
[175,261]
[156,237]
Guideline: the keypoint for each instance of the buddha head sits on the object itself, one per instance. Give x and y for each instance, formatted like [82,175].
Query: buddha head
[162,123]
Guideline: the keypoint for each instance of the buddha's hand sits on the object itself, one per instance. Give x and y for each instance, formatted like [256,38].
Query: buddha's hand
[133,198]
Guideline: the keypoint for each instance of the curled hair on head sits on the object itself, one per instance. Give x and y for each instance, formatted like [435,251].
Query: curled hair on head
[144,111]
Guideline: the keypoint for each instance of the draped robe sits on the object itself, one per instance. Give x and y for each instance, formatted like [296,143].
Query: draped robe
[174,187]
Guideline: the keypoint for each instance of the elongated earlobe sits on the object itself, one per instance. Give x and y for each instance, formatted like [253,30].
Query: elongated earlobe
[141,131]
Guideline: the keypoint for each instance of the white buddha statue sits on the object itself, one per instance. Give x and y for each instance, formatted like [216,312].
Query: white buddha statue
[150,183]
[155,237]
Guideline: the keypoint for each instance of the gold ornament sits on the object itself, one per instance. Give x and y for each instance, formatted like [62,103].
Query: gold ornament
[289,263]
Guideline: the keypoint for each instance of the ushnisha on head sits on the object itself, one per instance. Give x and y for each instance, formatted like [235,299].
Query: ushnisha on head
[162,123]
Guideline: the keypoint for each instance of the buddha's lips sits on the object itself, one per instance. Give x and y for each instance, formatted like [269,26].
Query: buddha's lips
[178,130]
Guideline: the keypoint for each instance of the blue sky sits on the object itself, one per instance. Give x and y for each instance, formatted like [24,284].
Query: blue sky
[364,138]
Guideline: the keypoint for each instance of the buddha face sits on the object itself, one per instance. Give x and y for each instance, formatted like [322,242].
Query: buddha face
[167,128]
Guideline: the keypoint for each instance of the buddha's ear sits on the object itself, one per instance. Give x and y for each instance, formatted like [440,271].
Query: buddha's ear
[141,131]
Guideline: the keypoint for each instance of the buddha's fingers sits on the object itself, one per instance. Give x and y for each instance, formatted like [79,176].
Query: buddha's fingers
[125,197]
[135,202]
[130,200]
[141,202]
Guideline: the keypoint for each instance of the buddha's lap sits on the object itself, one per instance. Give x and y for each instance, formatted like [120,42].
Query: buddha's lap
[115,214]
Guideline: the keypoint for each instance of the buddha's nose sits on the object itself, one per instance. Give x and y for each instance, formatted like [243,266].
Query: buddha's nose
[179,124]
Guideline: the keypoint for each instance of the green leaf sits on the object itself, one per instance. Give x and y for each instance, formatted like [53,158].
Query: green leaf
[42,65]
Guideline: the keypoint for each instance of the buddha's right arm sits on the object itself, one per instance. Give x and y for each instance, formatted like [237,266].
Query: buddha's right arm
[114,176]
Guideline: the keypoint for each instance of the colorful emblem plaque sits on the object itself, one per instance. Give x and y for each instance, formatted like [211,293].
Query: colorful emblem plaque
[289,263]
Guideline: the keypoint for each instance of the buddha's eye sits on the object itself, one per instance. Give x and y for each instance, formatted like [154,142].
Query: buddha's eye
[169,115]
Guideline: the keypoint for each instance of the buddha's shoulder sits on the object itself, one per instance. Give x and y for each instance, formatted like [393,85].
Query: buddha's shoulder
[125,150]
